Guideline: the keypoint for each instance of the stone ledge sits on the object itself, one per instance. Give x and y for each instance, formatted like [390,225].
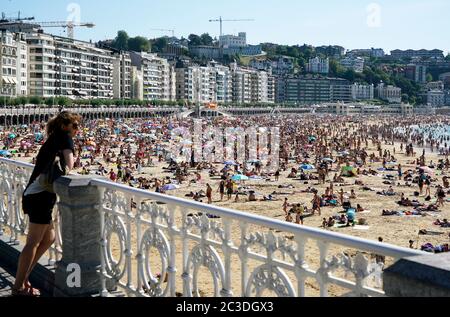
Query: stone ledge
[422,276]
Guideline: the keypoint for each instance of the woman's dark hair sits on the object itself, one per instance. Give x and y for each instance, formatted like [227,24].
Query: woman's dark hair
[63,118]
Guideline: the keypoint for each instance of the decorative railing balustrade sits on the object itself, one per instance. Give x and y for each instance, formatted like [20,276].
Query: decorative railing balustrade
[14,177]
[243,253]
[158,245]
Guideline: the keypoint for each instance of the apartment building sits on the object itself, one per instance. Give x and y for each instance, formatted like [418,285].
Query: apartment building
[224,83]
[399,54]
[318,65]
[227,41]
[61,66]
[196,84]
[122,83]
[13,64]
[354,63]
[436,98]
[363,92]
[309,90]
[389,93]
[158,76]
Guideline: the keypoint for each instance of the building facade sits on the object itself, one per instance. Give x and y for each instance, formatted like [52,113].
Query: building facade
[389,93]
[363,92]
[158,76]
[436,98]
[65,67]
[354,63]
[122,83]
[399,54]
[13,64]
[318,65]
[233,40]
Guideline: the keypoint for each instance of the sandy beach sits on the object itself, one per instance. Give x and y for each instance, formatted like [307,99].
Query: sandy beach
[395,229]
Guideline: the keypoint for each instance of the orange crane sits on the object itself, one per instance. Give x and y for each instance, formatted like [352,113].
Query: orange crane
[220,20]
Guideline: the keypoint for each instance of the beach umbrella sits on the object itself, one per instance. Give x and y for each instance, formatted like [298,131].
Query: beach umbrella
[170,187]
[239,177]
[230,163]
[129,140]
[307,167]
[312,139]
[254,161]
[12,136]
[327,159]
[5,153]
[24,126]
[426,169]
[344,153]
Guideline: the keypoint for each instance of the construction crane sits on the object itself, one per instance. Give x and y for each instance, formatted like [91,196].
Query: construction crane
[220,20]
[164,30]
[69,25]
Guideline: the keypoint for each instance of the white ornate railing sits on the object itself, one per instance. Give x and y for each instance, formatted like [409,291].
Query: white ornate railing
[241,251]
[244,254]
[14,177]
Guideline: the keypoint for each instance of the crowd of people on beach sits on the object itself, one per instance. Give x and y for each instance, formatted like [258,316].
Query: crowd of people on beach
[318,151]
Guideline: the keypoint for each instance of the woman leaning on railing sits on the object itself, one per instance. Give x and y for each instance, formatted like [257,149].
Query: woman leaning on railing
[55,159]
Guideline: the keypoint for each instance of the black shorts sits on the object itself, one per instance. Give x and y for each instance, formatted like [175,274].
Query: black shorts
[39,207]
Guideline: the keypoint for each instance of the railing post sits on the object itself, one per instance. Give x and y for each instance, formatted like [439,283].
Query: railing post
[77,274]
[421,276]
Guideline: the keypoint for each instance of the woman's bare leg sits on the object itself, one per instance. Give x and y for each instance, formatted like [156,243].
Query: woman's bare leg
[35,234]
[47,241]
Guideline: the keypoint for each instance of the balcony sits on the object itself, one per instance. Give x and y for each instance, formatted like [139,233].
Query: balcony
[185,241]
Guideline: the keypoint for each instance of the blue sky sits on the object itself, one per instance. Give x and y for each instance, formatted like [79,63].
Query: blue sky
[388,24]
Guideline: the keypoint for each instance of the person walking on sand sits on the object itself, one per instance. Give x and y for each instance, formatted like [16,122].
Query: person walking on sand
[39,197]
[285,205]
[209,193]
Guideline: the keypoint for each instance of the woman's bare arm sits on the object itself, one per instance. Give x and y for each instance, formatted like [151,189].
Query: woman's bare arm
[69,159]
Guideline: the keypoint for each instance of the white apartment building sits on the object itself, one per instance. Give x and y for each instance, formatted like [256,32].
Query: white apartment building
[389,93]
[227,41]
[318,65]
[122,83]
[13,64]
[354,63]
[362,92]
[224,83]
[242,84]
[436,98]
[61,66]
[158,76]
[196,84]
[251,85]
